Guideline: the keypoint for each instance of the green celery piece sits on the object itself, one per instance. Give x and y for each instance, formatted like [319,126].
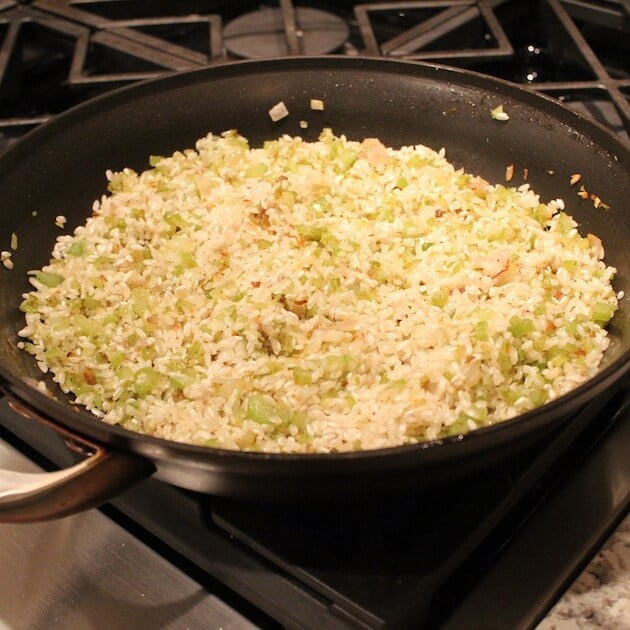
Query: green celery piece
[256,170]
[175,220]
[260,409]
[519,327]
[481,331]
[78,248]
[459,426]
[49,278]
[30,304]
[145,380]
[311,232]
[602,313]
[181,380]
[439,299]
[320,206]
[302,376]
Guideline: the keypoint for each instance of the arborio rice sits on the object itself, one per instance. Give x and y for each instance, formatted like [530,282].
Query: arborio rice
[315,297]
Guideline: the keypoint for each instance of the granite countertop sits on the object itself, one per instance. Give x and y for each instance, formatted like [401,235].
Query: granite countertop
[600,597]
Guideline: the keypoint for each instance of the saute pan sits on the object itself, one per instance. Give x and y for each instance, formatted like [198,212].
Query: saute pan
[59,169]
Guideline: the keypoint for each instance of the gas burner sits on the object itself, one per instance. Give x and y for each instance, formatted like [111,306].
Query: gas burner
[268,33]
[450,30]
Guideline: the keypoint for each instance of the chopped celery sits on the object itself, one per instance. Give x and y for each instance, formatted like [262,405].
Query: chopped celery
[564,223]
[519,327]
[416,161]
[538,396]
[481,331]
[195,352]
[87,327]
[299,419]
[140,302]
[459,426]
[570,265]
[182,380]
[115,359]
[572,327]
[602,313]
[148,353]
[260,409]
[311,232]
[263,409]
[505,363]
[287,198]
[334,285]
[338,365]
[510,395]
[399,384]
[124,373]
[175,220]
[256,170]
[53,354]
[145,380]
[320,206]
[387,214]
[30,304]
[401,183]
[439,299]
[188,260]
[49,278]
[302,376]
[376,271]
[78,248]
[344,154]
[541,213]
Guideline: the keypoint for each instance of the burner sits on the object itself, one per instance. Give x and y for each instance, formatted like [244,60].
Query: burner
[261,33]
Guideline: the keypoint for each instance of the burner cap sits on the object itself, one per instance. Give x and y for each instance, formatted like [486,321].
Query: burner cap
[260,34]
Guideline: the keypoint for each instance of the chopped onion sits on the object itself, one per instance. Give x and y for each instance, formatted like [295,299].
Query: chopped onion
[498,114]
[278,111]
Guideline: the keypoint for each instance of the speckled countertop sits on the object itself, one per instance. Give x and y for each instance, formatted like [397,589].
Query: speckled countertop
[600,597]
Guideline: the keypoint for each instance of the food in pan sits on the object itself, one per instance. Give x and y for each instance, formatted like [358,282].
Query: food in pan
[317,296]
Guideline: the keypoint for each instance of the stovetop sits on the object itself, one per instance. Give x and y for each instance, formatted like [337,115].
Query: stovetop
[514,534]
[57,53]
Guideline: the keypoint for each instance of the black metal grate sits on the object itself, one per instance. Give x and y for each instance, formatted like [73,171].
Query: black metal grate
[57,53]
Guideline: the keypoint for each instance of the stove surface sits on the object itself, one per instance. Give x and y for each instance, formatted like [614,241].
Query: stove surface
[55,53]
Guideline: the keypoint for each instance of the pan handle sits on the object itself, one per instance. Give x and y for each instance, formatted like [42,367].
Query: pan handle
[31,497]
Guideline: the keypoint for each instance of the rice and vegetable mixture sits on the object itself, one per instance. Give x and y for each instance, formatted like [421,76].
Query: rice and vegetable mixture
[315,297]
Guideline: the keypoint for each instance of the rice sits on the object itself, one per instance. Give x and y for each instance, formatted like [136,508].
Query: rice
[317,297]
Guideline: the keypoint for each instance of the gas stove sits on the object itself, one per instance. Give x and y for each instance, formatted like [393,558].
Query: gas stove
[57,53]
[495,551]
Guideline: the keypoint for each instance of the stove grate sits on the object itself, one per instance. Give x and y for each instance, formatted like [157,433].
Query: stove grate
[55,54]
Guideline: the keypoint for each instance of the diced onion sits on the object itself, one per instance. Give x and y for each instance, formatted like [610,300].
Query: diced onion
[278,111]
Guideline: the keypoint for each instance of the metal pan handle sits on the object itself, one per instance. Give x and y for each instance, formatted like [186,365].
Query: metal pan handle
[31,497]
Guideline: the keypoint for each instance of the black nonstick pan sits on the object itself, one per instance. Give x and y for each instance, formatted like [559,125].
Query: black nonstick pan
[59,169]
